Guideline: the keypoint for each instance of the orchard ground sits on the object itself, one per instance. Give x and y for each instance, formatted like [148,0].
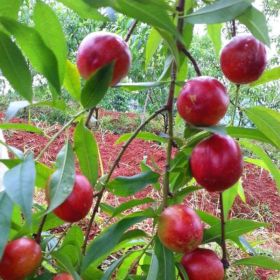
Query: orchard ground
[261,193]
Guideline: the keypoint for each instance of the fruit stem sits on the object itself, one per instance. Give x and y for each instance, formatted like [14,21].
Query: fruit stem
[58,133]
[130,31]
[192,59]
[233,24]
[89,117]
[40,229]
[115,164]
[223,237]
[235,104]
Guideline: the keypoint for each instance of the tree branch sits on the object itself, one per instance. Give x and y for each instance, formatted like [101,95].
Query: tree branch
[115,164]
[130,31]
[192,59]
[224,248]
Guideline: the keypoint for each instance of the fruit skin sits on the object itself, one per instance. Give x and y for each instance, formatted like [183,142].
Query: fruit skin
[203,101]
[20,258]
[216,162]
[100,48]
[203,264]
[180,229]
[78,203]
[63,276]
[243,59]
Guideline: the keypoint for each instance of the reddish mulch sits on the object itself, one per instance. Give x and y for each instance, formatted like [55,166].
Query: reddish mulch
[259,187]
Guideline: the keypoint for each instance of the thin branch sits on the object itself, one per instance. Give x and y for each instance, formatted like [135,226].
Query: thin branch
[58,133]
[130,31]
[235,104]
[223,237]
[192,59]
[89,117]
[233,28]
[115,164]
[38,235]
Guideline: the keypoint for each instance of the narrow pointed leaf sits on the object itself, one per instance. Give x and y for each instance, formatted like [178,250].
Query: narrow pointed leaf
[33,46]
[152,45]
[14,107]
[97,86]
[166,262]
[148,136]
[108,273]
[126,186]
[219,11]
[260,261]
[6,209]
[21,127]
[52,34]
[19,184]
[258,151]
[14,67]
[268,75]
[267,121]
[86,148]
[154,268]
[255,21]
[62,180]
[214,32]
[83,9]
[10,8]
[108,239]
[72,81]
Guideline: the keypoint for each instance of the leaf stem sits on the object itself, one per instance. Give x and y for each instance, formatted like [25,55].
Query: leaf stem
[38,235]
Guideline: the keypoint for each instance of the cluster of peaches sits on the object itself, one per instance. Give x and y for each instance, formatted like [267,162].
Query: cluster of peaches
[216,162]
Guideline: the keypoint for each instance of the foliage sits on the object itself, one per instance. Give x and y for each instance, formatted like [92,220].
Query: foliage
[37,38]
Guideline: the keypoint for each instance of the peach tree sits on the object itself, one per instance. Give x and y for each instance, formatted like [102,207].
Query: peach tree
[208,155]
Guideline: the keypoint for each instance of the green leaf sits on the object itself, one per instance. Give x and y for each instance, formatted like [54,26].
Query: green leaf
[108,273]
[249,133]
[182,271]
[126,186]
[86,148]
[267,121]
[229,197]
[97,86]
[152,45]
[268,75]
[166,262]
[108,239]
[258,151]
[255,21]
[208,218]
[130,204]
[233,229]
[52,34]
[171,43]
[6,210]
[148,136]
[219,11]
[260,261]
[14,67]
[188,34]
[83,9]
[74,236]
[154,268]
[10,8]
[19,184]
[72,81]
[33,46]
[21,127]
[152,12]
[62,180]
[214,32]
[142,85]
[127,264]
[43,172]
